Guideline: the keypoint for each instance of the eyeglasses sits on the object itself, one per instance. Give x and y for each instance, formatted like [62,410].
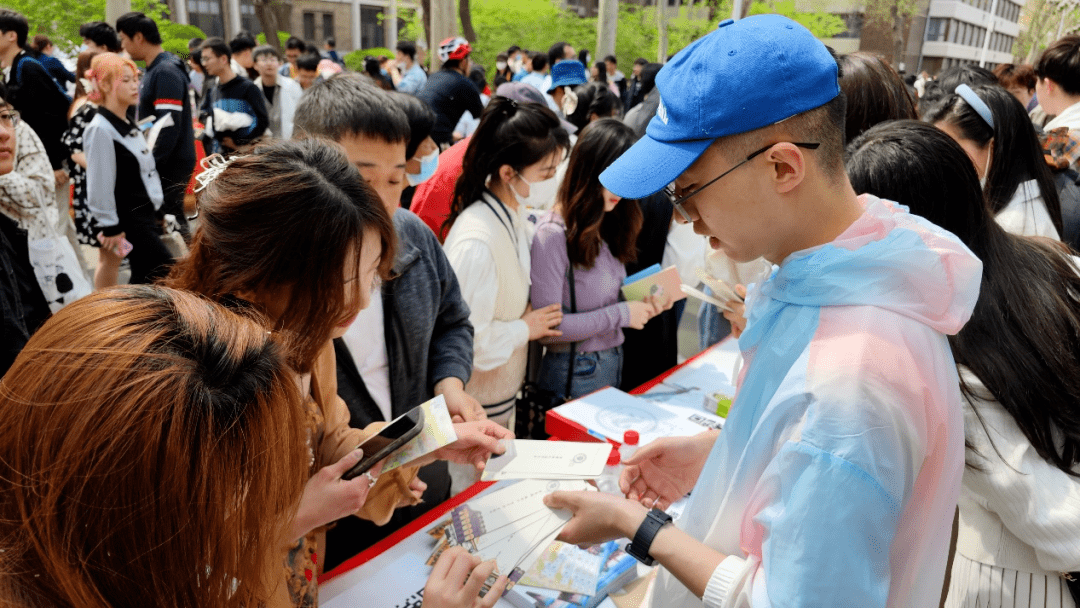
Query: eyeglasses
[9,118]
[679,202]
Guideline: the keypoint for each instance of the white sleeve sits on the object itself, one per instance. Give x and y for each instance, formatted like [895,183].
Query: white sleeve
[493,341]
[1038,502]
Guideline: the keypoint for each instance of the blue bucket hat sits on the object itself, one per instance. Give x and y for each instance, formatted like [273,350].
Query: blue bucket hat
[567,73]
[743,76]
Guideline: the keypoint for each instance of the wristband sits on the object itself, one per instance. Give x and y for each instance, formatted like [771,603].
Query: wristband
[646,532]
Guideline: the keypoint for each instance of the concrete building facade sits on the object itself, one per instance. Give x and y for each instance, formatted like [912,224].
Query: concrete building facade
[942,33]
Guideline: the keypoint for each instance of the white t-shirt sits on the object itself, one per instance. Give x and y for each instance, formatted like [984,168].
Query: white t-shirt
[366,340]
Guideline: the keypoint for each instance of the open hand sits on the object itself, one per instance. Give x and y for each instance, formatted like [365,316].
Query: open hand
[598,516]
[666,469]
[476,442]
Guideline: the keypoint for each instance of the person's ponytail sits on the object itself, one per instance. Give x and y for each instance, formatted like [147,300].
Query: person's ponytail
[510,133]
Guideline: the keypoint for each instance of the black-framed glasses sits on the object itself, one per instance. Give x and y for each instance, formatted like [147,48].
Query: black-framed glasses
[9,118]
[678,202]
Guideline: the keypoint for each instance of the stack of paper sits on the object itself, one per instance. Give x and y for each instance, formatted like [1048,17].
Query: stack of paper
[530,459]
[511,526]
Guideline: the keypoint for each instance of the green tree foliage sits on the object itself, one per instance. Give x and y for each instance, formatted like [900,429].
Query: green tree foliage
[537,24]
[283,37]
[355,60]
[820,24]
[60,21]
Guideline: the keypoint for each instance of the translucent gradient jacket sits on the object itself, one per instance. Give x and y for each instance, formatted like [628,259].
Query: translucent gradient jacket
[835,479]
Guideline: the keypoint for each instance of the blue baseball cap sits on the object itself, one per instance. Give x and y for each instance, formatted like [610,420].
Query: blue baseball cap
[567,73]
[743,76]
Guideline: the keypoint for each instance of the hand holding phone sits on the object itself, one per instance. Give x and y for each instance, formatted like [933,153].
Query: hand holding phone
[328,496]
[387,440]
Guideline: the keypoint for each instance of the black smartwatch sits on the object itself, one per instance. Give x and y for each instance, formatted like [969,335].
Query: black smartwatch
[643,539]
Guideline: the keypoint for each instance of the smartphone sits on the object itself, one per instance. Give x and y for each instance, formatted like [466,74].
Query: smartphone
[125,248]
[385,442]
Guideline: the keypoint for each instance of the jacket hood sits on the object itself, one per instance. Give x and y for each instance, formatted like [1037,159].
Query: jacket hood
[889,259]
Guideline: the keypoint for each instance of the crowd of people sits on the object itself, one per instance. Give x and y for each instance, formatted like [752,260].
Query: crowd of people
[307,253]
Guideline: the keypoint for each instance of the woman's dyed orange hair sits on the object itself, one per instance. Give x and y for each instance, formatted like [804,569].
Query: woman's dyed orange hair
[151,452]
[104,69]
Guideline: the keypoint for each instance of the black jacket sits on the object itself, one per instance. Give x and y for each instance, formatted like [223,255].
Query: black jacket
[428,338]
[41,103]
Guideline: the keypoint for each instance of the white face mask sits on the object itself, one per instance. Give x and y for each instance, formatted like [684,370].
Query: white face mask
[541,194]
[500,65]
[428,165]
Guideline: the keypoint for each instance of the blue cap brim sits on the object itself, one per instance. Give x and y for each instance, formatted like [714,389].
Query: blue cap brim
[650,165]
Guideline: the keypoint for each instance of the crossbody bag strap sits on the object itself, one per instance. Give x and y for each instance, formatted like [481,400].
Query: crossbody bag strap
[573,345]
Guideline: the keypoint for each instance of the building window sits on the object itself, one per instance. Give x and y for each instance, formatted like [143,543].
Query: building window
[207,16]
[309,26]
[248,21]
[327,26]
[372,34]
[936,29]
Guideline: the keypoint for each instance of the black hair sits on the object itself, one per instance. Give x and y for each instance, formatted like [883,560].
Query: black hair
[265,49]
[1060,62]
[242,42]
[477,77]
[581,197]
[641,61]
[948,80]
[583,56]
[194,44]
[348,104]
[612,59]
[295,43]
[513,49]
[557,52]
[409,48]
[1023,338]
[217,46]
[510,133]
[330,42]
[874,93]
[539,62]
[593,98]
[601,71]
[648,77]
[101,34]
[16,22]
[421,120]
[308,61]
[138,23]
[1016,155]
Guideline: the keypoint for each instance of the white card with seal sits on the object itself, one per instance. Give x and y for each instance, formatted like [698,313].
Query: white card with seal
[531,459]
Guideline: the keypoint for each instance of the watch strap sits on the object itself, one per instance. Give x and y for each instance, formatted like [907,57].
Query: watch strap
[646,533]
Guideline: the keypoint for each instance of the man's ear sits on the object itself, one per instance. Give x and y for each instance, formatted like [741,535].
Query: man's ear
[789,166]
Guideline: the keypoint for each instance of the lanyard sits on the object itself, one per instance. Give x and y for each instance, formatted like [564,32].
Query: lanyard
[499,216]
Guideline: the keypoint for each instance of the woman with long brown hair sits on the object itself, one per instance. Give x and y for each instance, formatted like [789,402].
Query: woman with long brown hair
[295,232]
[596,232]
[133,456]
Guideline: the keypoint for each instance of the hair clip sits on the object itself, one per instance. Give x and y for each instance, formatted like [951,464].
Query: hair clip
[213,166]
[976,104]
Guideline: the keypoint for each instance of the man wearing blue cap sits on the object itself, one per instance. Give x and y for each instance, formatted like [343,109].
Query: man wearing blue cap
[564,75]
[837,473]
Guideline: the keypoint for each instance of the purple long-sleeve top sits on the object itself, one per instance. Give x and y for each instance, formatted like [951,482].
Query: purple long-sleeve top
[601,317]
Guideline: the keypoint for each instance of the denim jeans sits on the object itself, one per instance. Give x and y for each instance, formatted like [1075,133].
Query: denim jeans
[592,371]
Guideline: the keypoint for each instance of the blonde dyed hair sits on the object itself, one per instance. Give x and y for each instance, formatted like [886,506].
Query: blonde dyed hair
[151,450]
[105,68]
